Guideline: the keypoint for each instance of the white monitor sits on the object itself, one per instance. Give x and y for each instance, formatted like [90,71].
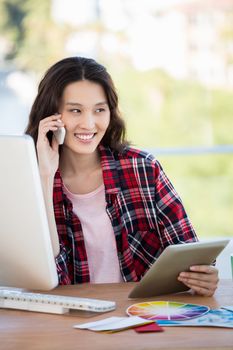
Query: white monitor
[26,255]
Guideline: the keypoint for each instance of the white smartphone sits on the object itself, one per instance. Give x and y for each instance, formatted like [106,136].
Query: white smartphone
[60,135]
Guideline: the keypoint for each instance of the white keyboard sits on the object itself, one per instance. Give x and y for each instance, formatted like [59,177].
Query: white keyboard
[57,304]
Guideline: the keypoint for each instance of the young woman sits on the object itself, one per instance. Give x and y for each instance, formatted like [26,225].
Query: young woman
[112,209]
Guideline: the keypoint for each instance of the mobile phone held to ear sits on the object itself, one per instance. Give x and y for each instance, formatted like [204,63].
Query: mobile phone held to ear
[60,135]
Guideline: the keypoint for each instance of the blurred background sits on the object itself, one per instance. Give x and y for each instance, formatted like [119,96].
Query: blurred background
[172,63]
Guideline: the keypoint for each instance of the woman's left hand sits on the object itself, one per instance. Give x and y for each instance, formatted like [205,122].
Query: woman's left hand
[202,279]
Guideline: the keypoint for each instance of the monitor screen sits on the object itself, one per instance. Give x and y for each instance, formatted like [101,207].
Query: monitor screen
[26,254]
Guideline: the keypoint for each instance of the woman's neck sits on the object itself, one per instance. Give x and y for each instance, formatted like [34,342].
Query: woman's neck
[72,163]
[81,173]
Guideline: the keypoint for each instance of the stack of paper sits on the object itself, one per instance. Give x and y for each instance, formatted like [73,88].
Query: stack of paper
[115,324]
[216,318]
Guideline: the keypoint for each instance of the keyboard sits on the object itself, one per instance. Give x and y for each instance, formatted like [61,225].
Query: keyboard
[57,304]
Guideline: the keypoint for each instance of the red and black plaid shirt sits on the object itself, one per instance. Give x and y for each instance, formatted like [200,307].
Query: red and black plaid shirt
[145,211]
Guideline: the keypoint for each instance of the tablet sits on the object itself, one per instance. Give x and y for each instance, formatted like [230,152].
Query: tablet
[161,278]
[26,255]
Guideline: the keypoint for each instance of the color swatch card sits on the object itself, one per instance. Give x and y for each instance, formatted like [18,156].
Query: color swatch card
[166,310]
[214,318]
[151,327]
[228,307]
[113,324]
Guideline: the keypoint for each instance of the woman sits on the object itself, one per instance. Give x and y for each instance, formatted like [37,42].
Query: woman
[111,208]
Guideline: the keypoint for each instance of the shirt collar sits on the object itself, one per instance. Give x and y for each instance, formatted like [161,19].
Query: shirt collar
[109,168]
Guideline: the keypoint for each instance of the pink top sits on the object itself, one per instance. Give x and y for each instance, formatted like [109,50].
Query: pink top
[98,234]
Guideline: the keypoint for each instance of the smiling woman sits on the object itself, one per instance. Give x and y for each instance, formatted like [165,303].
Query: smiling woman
[112,207]
[51,94]
[86,116]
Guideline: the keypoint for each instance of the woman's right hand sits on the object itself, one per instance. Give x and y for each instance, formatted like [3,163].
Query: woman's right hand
[48,155]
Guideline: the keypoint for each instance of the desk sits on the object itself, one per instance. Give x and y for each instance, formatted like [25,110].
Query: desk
[24,330]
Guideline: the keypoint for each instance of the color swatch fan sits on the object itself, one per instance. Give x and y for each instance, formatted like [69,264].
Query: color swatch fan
[166,310]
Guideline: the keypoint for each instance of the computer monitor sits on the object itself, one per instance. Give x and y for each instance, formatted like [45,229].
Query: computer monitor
[26,254]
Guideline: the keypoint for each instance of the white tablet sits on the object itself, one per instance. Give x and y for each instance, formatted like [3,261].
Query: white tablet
[161,278]
[26,255]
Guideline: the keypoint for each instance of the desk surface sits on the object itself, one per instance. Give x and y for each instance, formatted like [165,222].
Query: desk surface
[34,331]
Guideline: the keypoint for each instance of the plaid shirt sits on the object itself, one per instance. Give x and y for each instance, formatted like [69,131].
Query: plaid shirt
[145,211]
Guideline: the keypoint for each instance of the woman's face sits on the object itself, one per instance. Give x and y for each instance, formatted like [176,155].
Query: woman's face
[86,115]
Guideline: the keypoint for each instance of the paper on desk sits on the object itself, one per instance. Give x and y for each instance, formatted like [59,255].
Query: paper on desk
[113,323]
[228,307]
[214,318]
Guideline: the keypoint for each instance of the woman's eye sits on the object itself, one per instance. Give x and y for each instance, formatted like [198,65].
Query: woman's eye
[75,110]
[99,110]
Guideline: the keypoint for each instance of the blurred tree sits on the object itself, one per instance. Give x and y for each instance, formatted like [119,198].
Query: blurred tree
[173,113]
[11,24]
[35,40]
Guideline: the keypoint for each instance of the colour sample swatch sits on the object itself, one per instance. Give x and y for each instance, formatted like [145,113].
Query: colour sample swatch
[167,310]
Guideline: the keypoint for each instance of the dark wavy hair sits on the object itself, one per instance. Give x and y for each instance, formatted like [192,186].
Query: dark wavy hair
[50,92]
